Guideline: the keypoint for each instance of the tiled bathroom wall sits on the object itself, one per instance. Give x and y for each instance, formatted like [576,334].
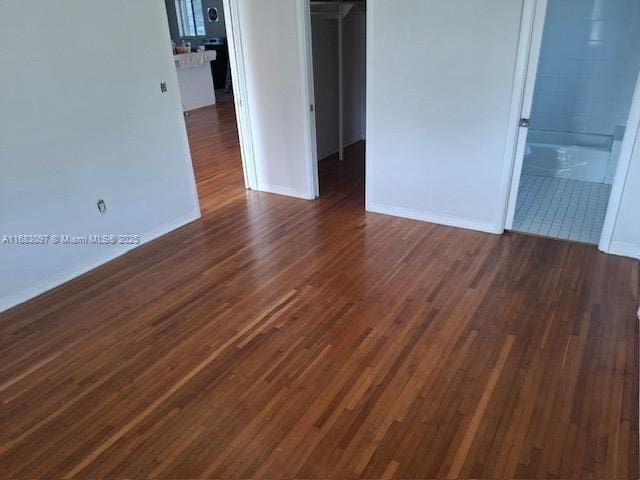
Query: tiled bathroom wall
[589,64]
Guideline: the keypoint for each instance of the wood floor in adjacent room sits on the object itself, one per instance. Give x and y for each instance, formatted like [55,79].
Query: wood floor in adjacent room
[282,338]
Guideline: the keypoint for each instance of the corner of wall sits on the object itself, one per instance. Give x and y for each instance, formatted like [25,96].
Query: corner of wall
[624,249]
[430,217]
[61,278]
[286,191]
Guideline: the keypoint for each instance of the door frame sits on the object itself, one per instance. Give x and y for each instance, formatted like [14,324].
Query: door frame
[627,150]
[532,29]
[307,78]
[240,92]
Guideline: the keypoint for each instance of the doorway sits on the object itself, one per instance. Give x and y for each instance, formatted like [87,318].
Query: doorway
[211,85]
[336,48]
[575,128]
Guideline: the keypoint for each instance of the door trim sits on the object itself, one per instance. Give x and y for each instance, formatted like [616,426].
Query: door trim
[308,84]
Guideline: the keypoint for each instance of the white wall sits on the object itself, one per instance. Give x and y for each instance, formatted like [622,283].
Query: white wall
[325,67]
[325,79]
[439,85]
[274,47]
[83,118]
[589,64]
[626,233]
[355,74]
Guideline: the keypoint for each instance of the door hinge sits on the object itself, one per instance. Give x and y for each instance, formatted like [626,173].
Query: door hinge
[311,107]
[524,122]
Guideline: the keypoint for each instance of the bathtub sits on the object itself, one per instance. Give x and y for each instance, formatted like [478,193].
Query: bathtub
[575,156]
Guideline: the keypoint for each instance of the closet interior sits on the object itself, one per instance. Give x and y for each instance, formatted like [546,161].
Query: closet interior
[339,71]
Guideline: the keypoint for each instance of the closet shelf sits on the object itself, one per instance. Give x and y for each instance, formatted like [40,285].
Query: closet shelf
[330,10]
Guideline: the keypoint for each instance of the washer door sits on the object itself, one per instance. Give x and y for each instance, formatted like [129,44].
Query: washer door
[212,14]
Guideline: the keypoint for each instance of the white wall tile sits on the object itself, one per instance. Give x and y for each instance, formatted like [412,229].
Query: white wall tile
[589,65]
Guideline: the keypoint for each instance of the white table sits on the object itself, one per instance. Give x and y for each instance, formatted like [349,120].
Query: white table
[195,79]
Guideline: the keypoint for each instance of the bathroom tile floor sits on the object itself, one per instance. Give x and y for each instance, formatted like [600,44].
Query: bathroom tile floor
[561,208]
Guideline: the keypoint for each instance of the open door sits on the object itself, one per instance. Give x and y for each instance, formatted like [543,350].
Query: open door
[529,56]
[269,47]
[578,120]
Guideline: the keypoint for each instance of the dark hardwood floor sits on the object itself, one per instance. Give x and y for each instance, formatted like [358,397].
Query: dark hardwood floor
[282,338]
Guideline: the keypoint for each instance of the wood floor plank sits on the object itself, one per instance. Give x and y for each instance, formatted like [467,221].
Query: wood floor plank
[478,415]
[284,338]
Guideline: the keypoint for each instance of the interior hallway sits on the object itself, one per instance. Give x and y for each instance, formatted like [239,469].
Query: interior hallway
[281,338]
[215,152]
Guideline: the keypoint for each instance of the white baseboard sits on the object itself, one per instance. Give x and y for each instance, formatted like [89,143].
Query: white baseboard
[347,144]
[61,278]
[625,249]
[286,191]
[448,220]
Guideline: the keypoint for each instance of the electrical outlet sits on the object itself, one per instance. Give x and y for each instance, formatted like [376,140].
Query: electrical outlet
[102,207]
[163,87]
